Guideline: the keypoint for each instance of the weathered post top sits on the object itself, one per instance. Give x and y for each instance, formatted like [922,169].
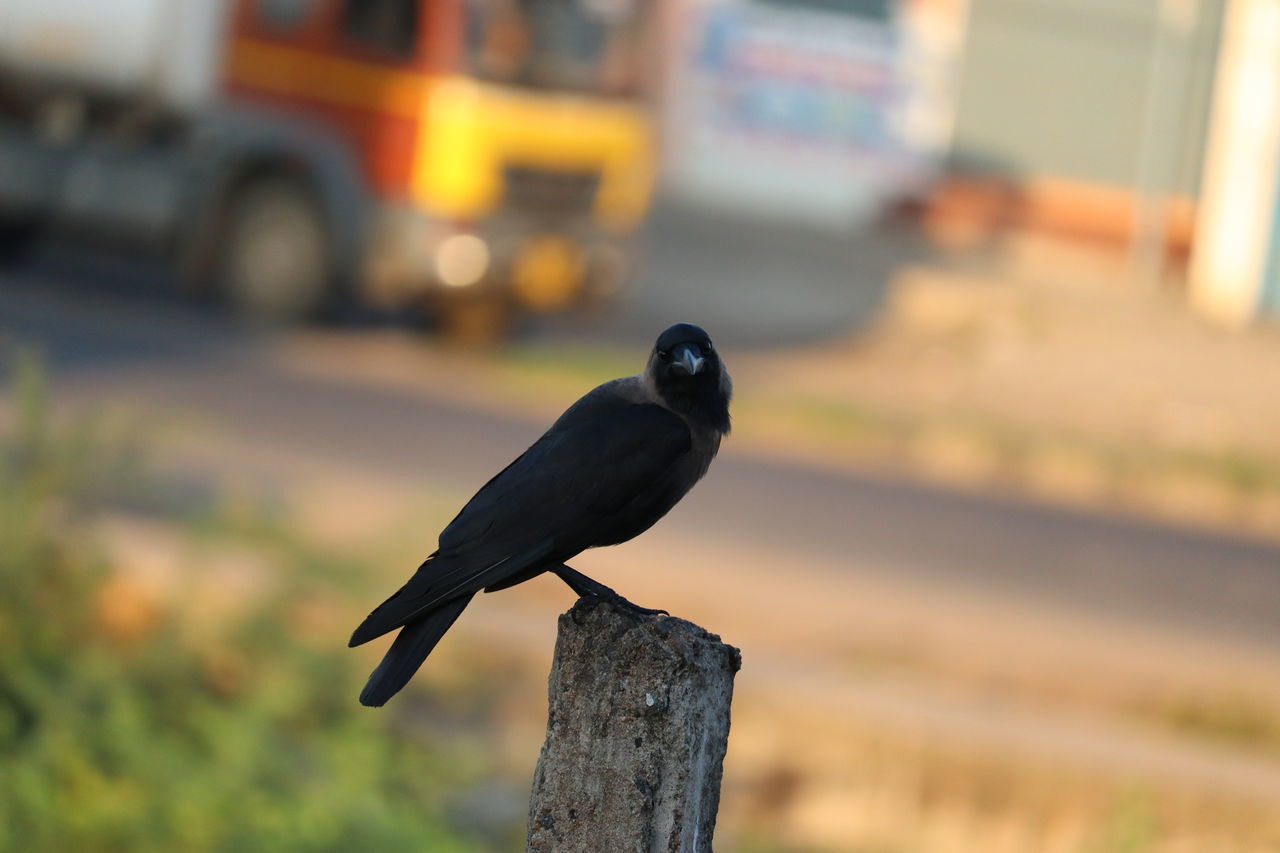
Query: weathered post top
[636,735]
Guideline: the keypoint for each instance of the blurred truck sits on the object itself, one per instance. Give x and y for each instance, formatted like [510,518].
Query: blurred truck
[480,158]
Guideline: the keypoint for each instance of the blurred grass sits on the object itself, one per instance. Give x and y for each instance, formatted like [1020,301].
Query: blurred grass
[1228,720]
[567,368]
[121,731]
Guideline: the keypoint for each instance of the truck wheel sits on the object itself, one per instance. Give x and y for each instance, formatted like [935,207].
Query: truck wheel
[17,238]
[275,265]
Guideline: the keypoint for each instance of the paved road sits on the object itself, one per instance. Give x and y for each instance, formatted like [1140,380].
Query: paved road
[147,349]
[761,285]
[755,284]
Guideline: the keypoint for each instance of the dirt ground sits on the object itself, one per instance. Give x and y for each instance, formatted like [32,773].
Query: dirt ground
[1055,338]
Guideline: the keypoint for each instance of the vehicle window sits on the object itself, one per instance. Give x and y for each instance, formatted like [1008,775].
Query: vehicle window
[559,45]
[284,15]
[385,26]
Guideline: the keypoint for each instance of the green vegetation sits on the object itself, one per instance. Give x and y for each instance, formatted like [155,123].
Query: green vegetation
[1230,720]
[121,729]
[1129,826]
[571,369]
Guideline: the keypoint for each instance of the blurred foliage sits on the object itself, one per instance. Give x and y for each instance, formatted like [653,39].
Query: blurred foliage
[1232,720]
[1130,826]
[120,731]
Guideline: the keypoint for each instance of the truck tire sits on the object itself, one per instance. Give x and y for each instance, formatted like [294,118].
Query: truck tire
[275,265]
[17,238]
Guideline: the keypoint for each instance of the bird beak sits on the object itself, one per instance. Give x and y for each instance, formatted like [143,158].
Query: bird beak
[687,361]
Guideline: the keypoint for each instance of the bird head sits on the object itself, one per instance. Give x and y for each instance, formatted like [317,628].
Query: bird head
[685,370]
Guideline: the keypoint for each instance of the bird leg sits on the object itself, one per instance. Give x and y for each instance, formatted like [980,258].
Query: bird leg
[585,586]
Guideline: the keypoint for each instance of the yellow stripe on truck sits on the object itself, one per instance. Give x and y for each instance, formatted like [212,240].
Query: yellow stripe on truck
[476,129]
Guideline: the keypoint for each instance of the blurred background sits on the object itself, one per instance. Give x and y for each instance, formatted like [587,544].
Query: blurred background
[998,527]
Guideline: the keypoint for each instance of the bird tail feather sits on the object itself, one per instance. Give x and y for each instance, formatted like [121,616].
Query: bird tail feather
[411,647]
[437,582]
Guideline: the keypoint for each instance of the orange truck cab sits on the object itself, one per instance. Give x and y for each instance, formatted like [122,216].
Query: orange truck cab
[482,158]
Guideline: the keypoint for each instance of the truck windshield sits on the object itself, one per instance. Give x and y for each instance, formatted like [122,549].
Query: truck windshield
[568,45]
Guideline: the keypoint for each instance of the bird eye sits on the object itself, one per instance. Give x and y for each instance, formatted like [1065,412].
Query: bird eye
[664,355]
[706,348]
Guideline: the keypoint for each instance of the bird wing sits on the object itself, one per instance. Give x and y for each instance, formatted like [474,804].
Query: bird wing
[552,501]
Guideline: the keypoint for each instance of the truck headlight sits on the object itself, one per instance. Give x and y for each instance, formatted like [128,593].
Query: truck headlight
[461,260]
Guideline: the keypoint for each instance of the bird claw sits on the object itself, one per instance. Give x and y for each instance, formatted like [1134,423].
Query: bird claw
[588,588]
[622,603]
[629,607]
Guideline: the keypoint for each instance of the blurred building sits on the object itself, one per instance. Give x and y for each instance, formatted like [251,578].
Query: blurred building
[1146,126]
[1075,115]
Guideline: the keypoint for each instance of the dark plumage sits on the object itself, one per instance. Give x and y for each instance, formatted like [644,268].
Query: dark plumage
[613,464]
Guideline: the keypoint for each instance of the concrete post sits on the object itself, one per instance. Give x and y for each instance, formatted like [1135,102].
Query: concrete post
[636,735]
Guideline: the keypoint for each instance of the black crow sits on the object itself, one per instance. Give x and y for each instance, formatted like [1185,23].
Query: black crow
[613,464]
